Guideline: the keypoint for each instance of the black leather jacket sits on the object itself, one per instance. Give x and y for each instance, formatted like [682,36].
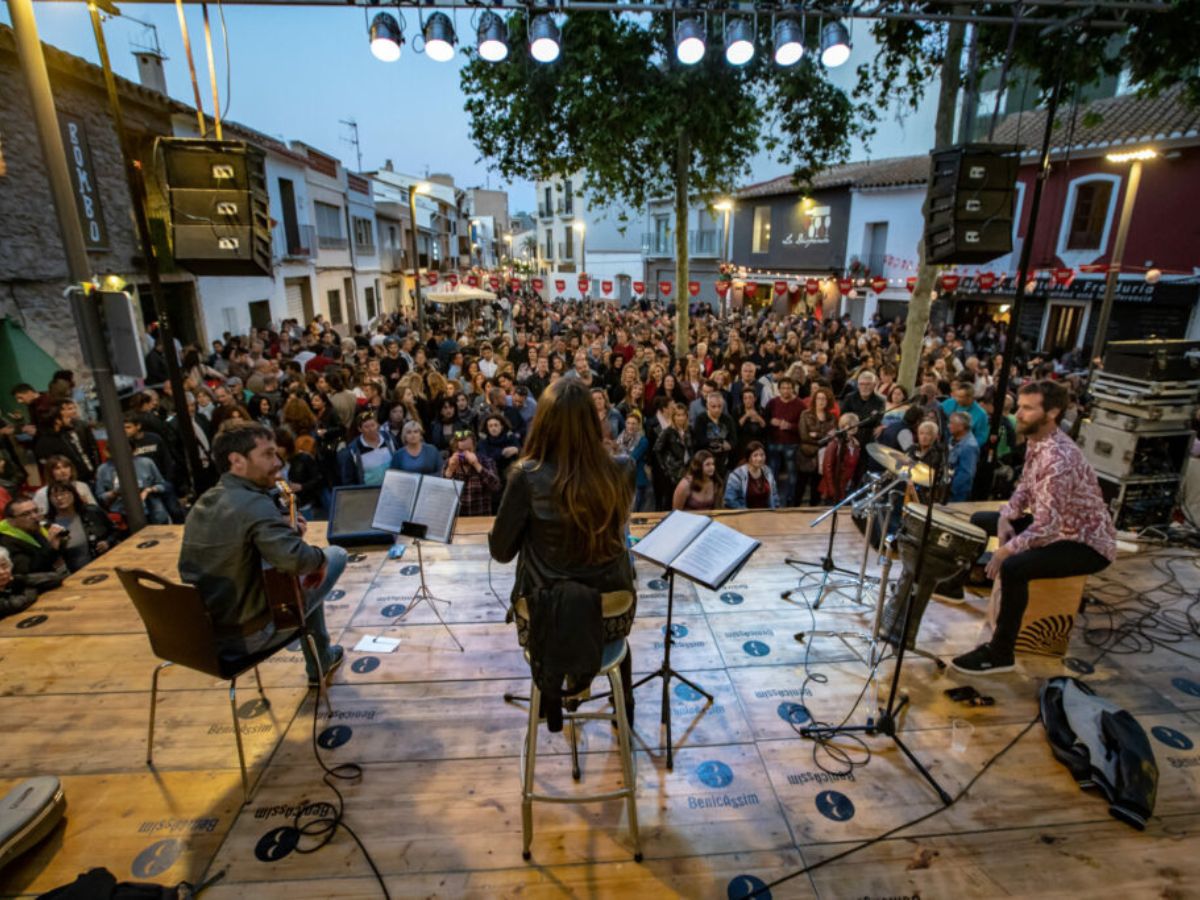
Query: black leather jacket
[530,526]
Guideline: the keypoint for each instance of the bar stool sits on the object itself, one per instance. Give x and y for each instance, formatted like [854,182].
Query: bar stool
[610,665]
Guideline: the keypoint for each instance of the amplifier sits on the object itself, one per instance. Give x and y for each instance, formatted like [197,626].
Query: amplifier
[1121,453]
[1154,360]
[1137,503]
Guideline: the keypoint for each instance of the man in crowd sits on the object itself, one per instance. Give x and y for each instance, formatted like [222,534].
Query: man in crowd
[964,457]
[783,437]
[59,435]
[962,399]
[34,549]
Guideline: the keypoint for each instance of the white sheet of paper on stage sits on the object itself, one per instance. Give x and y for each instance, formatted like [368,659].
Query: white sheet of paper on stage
[697,547]
[374,643]
[405,497]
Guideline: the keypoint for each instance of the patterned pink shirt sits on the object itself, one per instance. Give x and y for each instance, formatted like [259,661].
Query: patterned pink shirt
[1059,488]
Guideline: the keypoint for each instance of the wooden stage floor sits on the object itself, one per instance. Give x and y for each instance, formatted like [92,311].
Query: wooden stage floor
[439,804]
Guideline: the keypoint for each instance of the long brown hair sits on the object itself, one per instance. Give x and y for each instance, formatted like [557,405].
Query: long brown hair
[595,495]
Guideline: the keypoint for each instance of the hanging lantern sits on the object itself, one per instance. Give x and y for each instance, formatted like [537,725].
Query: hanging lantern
[1153,276]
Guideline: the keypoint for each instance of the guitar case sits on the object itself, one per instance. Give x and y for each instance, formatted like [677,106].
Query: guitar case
[28,813]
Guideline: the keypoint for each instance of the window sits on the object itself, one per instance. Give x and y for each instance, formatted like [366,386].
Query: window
[569,244]
[1089,216]
[549,201]
[569,199]
[335,306]
[329,220]
[364,239]
[549,244]
[393,239]
[875,247]
[661,240]
[369,296]
[760,239]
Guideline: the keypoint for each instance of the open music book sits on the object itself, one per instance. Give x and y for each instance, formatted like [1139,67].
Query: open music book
[697,547]
[408,498]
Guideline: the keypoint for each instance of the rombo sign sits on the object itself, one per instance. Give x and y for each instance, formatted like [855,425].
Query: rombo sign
[83,181]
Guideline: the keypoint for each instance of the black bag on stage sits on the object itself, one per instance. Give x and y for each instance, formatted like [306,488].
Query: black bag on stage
[101,884]
[566,641]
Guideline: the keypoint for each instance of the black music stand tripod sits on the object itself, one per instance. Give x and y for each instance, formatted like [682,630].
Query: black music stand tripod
[666,673]
[885,723]
[423,593]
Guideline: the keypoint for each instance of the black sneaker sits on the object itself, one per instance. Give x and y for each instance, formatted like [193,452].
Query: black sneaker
[983,660]
[336,657]
[949,593]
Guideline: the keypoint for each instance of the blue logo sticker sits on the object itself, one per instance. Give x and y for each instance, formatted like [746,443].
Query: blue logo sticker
[252,709]
[677,631]
[146,545]
[277,843]
[686,693]
[1078,666]
[393,610]
[156,858]
[336,595]
[714,773]
[365,665]
[733,599]
[756,648]
[742,886]
[333,737]
[657,584]
[1176,740]
[835,805]
[410,570]
[32,621]
[1187,686]
[794,713]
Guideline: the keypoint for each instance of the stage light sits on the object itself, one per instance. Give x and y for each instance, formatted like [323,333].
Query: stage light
[739,42]
[1131,155]
[493,37]
[544,41]
[835,44]
[789,42]
[439,38]
[386,37]
[689,42]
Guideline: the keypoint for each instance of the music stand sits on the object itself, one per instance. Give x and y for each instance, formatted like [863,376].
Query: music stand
[423,593]
[666,672]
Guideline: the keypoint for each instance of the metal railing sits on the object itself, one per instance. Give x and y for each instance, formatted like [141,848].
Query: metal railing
[331,242]
[303,246]
[705,242]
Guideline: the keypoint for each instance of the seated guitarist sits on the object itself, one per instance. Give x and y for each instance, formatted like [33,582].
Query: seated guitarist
[233,529]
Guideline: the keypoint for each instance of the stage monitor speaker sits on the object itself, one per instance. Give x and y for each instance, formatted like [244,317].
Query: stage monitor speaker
[971,198]
[351,513]
[217,193]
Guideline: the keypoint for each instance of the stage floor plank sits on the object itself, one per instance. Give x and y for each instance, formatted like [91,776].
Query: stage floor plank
[439,805]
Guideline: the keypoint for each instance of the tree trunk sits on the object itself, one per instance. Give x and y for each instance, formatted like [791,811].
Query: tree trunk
[943,136]
[682,155]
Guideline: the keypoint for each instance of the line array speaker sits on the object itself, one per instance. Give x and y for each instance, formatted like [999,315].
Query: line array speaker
[971,197]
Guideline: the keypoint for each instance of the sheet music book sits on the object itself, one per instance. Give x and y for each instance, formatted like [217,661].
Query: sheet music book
[408,498]
[697,547]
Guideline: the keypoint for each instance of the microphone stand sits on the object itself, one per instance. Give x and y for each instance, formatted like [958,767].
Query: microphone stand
[885,723]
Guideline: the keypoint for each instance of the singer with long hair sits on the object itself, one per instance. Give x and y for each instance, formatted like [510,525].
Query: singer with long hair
[564,513]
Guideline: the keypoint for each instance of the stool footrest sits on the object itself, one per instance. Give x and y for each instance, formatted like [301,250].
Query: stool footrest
[582,798]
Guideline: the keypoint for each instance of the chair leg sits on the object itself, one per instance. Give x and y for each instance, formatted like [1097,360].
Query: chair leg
[618,695]
[153,709]
[531,736]
[575,771]
[261,692]
[237,733]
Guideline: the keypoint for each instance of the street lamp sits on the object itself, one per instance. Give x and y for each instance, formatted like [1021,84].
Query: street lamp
[417,187]
[582,229]
[1136,157]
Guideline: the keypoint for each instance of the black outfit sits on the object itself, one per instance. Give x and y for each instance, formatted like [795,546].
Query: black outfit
[97,528]
[710,435]
[671,452]
[34,557]
[18,596]
[67,442]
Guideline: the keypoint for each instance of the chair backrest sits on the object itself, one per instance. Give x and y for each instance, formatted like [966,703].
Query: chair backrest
[176,619]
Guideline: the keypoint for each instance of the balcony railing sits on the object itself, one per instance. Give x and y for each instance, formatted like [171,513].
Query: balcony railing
[303,246]
[704,243]
[700,243]
[392,259]
[658,244]
[332,242]
[364,249]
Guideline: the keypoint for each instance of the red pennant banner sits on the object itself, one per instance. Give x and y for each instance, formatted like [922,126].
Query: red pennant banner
[639,287]
[986,281]
[473,281]
[514,285]
[606,287]
[584,283]
[812,286]
[911,283]
[878,284]
[560,284]
[781,288]
[1064,277]
[722,289]
[693,288]
[431,277]
[494,282]
[950,283]
[844,285]
[664,288]
[538,284]
[1093,267]
[750,290]
[452,280]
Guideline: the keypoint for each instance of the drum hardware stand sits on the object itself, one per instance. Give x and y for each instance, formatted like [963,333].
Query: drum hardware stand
[423,593]
[885,722]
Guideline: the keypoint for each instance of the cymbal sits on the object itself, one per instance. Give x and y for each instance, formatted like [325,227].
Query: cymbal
[899,464]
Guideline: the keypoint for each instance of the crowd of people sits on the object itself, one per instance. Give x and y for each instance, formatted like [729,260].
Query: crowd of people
[766,411]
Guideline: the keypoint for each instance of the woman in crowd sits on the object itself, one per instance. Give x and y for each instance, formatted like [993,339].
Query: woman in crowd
[564,516]
[89,530]
[840,461]
[414,455]
[633,443]
[478,474]
[365,458]
[700,488]
[752,485]
[672,449]
[302,472]
[60,470]
[814,426]
[751,424]
[499,443]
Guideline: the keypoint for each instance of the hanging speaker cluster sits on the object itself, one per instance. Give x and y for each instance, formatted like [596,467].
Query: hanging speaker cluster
[971,194]
[217,196]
